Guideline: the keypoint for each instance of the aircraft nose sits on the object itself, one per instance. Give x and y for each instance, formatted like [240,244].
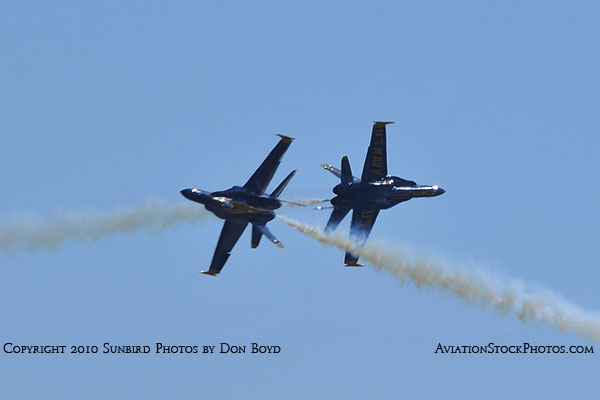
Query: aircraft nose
[187,193]
[440,191]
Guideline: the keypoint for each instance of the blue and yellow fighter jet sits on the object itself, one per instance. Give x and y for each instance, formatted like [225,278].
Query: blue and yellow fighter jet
[239,206]
[374,191]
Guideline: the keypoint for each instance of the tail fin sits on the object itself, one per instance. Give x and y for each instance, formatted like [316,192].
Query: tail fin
[256,235]
[336,171]
[282,185]
[261,229]
[346,177]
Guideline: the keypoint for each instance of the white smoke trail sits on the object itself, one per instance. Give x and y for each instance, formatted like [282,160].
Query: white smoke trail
[32,233]
[298,202]
[471,286]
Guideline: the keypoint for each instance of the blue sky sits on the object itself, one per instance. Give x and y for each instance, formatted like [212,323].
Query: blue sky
[110,104]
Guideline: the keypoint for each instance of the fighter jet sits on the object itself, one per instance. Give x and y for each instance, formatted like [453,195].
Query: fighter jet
[374,191]
[239,206]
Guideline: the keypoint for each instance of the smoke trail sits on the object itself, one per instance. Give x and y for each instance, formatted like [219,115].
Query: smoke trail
[471,286]
[32,233]
[297,202]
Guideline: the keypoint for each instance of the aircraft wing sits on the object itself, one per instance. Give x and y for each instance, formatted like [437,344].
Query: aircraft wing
[360,228]
[337,215]
[337,172]
[259,181]
[231,232]
[375,166]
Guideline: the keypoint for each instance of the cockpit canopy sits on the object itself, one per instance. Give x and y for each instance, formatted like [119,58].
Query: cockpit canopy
[397,181]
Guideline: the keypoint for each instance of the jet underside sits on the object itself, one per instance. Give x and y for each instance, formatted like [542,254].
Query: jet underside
[243,205]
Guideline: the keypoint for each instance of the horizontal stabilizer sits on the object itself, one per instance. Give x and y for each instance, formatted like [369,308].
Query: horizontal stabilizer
[337,172]
[209,273]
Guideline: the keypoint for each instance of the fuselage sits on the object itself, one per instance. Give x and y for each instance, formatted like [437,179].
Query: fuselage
[380,195]
[235,203]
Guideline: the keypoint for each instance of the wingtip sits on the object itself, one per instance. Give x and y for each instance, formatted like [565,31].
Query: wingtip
[353,264]
[286,139]
[280,245]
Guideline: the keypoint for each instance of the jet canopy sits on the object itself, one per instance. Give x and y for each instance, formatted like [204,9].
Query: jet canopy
[397,181]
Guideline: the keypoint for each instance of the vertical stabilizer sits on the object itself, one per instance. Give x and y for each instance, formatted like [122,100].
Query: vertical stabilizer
[262,228]
[346,177]
[283,184]
[256,235]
